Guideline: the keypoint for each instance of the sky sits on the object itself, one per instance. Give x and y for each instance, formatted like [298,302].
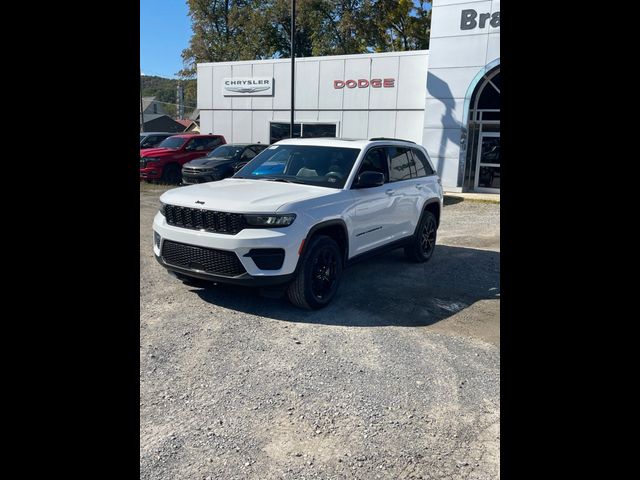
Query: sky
[165,30]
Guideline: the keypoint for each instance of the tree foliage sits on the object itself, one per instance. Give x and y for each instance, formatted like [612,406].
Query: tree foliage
[165,90]
[231,30]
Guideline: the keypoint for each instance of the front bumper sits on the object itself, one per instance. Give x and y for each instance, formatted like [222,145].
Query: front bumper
[246,279]
[191,178]
[287,239]
[151,173]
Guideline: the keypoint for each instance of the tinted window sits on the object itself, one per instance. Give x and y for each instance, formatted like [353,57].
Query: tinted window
[375,161]
[212,142]
[311,165]
[248,154]
[172,142]
[318,130]
[278,131]
[258,148]
[422,167]
[224,151]
[399,168]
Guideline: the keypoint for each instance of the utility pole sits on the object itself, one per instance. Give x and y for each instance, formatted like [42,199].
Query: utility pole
[293,63]
[141,109]
[180,101]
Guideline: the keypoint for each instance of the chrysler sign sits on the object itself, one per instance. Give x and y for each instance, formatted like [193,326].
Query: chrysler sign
[247,86]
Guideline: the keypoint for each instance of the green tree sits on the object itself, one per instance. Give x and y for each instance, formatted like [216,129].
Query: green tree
[230,30]
[397,25]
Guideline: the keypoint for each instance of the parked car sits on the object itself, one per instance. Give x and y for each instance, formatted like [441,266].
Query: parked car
[333,202]
[153,139]
[165,162]
[220,163]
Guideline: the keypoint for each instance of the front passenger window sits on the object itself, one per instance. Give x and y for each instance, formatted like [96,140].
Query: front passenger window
[375,161]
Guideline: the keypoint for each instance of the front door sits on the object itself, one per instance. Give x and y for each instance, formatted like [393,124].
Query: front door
[488,163]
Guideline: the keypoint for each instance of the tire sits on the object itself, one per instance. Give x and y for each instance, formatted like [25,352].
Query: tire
[423,244]
[171,174]
[318,277]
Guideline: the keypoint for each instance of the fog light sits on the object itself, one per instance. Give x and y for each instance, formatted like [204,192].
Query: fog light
[156,239]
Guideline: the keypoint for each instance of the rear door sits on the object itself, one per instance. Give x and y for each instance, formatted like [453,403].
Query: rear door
[404,191]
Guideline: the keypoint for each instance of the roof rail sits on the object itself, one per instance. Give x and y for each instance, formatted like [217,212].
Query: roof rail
[386,138]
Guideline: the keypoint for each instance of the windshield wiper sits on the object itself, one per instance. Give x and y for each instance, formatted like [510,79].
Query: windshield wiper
[280,179]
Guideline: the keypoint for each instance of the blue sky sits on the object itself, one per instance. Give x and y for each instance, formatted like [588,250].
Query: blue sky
[165,30]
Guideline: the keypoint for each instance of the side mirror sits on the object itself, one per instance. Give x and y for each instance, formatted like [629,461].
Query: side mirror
[369,179]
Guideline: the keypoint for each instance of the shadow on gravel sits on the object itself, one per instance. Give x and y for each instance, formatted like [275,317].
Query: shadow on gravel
[387,290]
[451,200]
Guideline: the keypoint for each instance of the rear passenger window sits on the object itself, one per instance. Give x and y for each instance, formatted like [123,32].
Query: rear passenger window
[399,168]
[211,142]
[422,166]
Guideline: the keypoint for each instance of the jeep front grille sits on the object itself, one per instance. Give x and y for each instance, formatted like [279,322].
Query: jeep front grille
[208,220]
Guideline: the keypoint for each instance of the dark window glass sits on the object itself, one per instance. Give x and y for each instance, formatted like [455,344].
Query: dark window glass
[224,151]
[399,168]
[279,131]
[375,161]
[258,148]
[490,150]
[172,142]
[210,142]
[311,165]
[421,164]
[248,154]
[318,130]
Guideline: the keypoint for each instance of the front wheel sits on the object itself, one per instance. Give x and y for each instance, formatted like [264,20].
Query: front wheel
[319,274]
[423,244]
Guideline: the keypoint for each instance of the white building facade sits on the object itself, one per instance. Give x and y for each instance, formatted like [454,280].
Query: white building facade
[443,98]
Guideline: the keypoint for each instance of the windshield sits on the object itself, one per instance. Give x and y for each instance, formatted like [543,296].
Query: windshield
[311,165]
[226,151]
[172,142]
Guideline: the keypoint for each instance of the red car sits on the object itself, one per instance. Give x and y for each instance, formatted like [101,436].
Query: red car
[165,161]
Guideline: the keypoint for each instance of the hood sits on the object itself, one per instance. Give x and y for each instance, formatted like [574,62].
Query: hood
[240,195]
[156,152]
[209,162]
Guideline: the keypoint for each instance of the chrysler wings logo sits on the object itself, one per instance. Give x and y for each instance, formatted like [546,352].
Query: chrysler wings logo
[247,89]
[200,202]
[239,86]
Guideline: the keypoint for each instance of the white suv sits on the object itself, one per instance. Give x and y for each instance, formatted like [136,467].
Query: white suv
[300,212]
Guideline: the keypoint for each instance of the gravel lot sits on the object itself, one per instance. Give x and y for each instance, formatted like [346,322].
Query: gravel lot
[398,378]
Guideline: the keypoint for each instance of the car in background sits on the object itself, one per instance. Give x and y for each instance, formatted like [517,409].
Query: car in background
[166,160]
[153,139]
[221,163]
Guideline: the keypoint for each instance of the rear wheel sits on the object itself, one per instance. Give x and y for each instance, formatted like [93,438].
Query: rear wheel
[319,274]
[171,174]
[423,244]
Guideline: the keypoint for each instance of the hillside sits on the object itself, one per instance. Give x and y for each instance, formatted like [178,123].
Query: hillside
[164,89]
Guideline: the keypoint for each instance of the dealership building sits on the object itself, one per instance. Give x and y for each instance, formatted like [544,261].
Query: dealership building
[446,98]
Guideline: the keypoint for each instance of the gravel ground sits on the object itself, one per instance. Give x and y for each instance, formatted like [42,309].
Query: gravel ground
[398,378]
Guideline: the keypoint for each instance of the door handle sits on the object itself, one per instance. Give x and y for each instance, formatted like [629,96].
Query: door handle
[389,192]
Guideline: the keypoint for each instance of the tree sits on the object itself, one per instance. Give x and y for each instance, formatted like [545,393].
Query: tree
[230,30]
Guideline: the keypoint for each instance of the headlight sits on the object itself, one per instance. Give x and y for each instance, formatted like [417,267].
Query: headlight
[270,220]
[162,209]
